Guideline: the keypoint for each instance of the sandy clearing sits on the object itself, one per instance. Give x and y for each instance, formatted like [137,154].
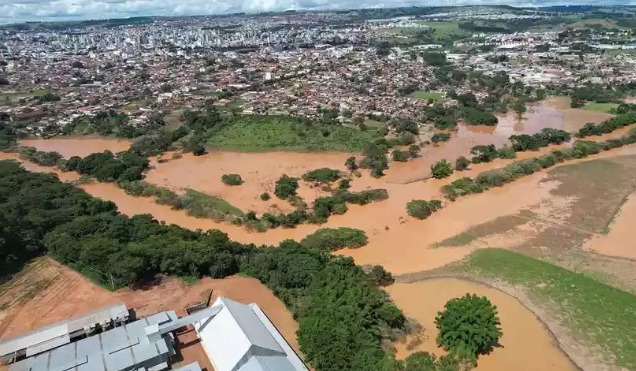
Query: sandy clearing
[526,343]
[47,292]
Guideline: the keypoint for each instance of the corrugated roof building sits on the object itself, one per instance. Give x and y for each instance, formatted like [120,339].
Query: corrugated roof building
[122,348]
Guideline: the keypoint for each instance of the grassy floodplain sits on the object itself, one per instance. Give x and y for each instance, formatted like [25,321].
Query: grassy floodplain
[595,312]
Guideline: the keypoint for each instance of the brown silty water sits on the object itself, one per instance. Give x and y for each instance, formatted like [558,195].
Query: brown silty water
[620,240]
[526,345]
[77,146]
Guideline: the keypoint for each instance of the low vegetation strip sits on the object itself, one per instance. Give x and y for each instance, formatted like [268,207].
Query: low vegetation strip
[518,169]
[42,215]
[608,125]
[593,311]
[194,203]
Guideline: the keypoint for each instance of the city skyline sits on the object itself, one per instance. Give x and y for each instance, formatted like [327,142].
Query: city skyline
[68,10]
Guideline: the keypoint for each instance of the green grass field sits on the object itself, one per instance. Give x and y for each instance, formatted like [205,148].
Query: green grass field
[602,107]
[593,311]
[264,133]
[425,95]
[443,29]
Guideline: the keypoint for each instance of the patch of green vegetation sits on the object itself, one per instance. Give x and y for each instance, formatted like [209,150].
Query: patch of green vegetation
[203,205]
[263,133]
[595,312]
[332,239]
[426,95]
[443,29]
[462,239]
[601,107]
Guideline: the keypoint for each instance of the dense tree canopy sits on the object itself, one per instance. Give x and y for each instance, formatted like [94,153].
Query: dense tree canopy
[468,323]
[40,214]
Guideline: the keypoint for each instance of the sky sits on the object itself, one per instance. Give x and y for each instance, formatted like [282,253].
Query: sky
[14,11]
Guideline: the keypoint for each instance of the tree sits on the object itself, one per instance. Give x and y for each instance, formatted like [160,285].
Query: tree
[441,169]
[286,187]
[380,276]
[265,196]
[351,163]
[400,156]
[519,107]
[198,150]
[440,137]
[461,163]
[468,323]
[421,209]
[231,179]
[414,151]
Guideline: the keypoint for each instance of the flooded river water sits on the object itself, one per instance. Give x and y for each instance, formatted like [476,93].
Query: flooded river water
[526,344]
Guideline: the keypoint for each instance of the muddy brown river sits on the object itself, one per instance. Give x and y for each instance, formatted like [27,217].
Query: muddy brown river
[526,345]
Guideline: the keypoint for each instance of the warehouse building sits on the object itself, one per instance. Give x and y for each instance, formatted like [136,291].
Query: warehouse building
[235,337]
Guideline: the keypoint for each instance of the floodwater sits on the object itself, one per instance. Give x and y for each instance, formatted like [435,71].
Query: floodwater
[259,172]
[408,247]
[620,240]
[77,146]
[553,112]
[526,344]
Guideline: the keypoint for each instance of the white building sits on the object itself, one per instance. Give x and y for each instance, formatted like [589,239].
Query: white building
[241,337]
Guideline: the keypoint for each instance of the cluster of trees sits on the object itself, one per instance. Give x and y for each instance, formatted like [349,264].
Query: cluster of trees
[111,122]
[157,143]
[40,215]
[231,179]
[39,157]
[608,125]
[422,209]
[375,159]
[475,116]
[108,167]
[545,137]
[8,136]
[403,156]
[518,169]
[331,239]
[286,187]
[48,97]
[322,175]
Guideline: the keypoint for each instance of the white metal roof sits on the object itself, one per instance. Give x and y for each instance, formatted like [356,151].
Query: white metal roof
[241,338]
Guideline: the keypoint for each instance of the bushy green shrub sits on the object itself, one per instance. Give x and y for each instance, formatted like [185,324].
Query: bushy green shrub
[332,239]
[363,197]
[322,175]
[286,187]
[461,163]
[421,209]
[441,169]
[440,137]
[400,156]
[469,323]
[231,179]
[506,153]
[265,196]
